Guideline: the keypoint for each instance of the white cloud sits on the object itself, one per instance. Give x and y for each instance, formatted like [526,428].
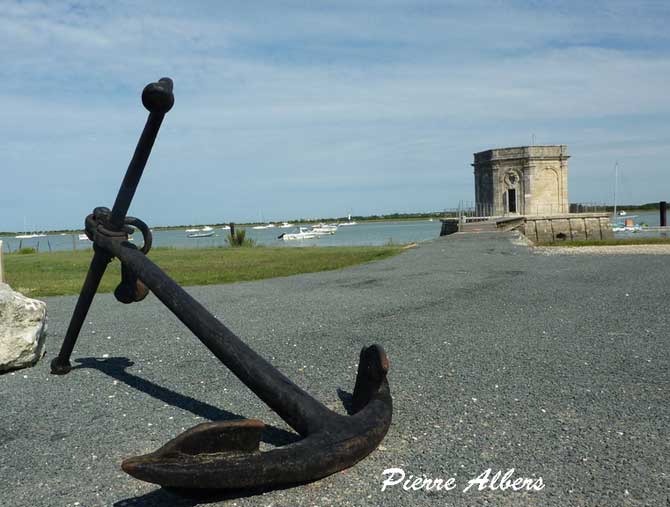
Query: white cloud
[358,96]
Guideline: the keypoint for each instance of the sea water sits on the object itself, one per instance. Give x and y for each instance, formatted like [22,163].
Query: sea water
[366,233]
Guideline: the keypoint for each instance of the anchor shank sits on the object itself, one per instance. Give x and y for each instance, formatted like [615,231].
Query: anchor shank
[135,170]
[302,412]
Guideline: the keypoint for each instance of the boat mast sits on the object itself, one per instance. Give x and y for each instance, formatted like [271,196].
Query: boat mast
[616,178]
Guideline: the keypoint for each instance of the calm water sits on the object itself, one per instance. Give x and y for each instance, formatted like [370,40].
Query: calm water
[372,233]
[650,218]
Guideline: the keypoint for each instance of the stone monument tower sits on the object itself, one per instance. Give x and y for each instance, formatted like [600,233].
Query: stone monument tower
[528,180]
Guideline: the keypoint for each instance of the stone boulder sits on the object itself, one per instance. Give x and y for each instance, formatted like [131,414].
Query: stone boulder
[23,325]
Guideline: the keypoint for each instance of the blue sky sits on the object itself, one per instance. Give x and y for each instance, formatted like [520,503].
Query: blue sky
[318,108]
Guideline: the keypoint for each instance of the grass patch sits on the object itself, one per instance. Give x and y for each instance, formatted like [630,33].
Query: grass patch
[62,273]
[239,239]
[608,242]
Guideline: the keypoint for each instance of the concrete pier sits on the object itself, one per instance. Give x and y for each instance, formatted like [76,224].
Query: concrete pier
[539,228]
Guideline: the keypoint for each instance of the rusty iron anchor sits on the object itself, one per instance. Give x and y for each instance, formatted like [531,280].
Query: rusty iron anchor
[225,454]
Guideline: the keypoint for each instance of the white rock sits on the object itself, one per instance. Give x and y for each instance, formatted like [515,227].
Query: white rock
[23,326]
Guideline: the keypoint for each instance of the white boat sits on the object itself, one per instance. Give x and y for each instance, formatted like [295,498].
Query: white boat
[84,237]
[225,228]
[324,229]
[266,226]
[286,225]
[633,228]
[349,222]
[201,234]
[303,233]
[205,228]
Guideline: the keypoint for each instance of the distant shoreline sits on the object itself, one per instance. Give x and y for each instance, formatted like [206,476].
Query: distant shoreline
[386,218]
[392,217]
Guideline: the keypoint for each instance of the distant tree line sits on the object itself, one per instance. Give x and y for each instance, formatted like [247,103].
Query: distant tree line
[577,207]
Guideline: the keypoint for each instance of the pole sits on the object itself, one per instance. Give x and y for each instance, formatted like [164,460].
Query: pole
[2,266]
[664,214]
[616,177]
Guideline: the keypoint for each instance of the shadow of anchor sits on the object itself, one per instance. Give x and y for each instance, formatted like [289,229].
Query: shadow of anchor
[115,367]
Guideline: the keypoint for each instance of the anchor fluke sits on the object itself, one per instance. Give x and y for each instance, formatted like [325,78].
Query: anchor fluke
[225,455]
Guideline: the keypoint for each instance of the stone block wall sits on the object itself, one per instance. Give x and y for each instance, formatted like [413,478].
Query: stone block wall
[566,227]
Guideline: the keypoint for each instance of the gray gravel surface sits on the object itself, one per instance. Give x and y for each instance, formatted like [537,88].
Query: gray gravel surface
[662,249]
[556,366]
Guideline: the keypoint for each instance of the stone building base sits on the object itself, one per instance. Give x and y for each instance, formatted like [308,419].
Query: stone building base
[572,226]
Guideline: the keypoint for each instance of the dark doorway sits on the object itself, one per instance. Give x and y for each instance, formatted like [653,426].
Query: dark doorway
[511,200]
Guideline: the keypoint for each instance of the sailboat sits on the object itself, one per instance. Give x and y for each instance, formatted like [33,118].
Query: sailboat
[262,223]
[26,234]
[621,221]
[349,222]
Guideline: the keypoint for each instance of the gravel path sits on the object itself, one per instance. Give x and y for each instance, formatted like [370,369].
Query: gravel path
[605,250]
[557,366]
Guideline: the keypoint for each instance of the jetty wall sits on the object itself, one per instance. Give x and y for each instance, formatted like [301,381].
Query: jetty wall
[539,228]
[568,226]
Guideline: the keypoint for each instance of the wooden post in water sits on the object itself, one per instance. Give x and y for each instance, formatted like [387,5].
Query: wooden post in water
[232,230]
[2,266]
[664,213]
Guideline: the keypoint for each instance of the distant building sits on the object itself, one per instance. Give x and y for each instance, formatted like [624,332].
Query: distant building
[528,180]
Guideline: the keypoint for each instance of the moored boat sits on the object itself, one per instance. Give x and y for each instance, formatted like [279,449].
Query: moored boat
[205,234]
[348,222]
[303,233]
[205,228]
[324,229]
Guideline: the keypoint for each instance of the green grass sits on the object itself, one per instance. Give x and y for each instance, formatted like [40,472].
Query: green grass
[61,273]
[609,242]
